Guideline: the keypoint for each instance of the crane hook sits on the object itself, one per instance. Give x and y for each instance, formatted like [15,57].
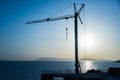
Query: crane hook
[66,33]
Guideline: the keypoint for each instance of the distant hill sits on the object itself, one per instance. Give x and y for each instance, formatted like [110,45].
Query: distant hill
[53,59]
[92,59]
[63,59]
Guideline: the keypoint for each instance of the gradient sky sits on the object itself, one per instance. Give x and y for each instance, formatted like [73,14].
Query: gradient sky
[20,41]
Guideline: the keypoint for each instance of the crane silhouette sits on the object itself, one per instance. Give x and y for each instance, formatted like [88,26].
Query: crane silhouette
[75,16]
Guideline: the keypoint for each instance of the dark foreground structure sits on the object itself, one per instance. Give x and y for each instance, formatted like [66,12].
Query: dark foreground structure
[112,74]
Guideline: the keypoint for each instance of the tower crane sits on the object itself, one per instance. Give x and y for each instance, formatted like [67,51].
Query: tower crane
[75,16]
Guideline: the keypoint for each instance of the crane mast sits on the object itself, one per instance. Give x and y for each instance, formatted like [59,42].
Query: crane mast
[75,16]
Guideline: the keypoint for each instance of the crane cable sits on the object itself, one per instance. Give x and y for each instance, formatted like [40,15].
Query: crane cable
[66,30]
[66,33]
[85,39]
[62,10]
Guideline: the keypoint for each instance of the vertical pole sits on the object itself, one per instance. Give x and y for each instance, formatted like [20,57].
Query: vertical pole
[76,46]
[76,42]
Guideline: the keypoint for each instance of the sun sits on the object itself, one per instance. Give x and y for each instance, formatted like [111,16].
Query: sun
[88,41]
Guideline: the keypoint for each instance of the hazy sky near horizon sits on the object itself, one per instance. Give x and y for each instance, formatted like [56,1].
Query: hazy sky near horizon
[20,41]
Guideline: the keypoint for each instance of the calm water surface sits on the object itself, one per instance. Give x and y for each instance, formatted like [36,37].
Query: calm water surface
[31,70]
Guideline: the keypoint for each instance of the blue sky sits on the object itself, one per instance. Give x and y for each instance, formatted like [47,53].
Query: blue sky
[20,41]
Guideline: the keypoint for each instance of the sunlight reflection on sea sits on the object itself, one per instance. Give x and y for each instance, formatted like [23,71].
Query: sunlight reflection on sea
[87,65]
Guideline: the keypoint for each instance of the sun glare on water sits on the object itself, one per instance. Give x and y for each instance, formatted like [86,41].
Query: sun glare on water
[88,65]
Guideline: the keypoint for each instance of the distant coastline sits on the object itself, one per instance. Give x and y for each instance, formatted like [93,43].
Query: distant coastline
[67,59]
[53,59]
[62,59]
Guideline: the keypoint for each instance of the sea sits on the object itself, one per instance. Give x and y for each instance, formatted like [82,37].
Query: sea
[31,70]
